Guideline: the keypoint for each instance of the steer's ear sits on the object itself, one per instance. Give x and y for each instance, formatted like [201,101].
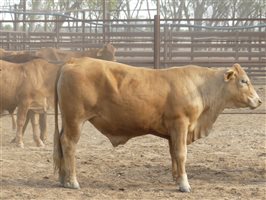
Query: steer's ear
[99,52]
[228,75]
[237,67]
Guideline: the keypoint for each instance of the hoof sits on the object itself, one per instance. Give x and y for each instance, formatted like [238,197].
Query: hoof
[17,142]
[183,184]
[20,145]
[74,185]
[185,189]
[61,180]
[44,140]
[13,140]
[40,144]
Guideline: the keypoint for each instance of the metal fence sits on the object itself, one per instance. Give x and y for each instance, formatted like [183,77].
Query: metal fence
[181,41]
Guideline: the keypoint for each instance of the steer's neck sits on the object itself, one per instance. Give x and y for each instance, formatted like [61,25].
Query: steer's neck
[213,91]
[214,102]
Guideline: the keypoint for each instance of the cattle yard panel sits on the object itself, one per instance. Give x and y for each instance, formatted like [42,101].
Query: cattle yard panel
[180,44]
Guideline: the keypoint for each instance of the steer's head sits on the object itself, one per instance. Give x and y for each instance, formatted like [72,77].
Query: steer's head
[241,92]
[107,52]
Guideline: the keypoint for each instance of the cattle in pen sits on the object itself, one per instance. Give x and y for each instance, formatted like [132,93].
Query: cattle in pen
[4,53]
[50,54]
[107,52]
[29,87]
[179,104]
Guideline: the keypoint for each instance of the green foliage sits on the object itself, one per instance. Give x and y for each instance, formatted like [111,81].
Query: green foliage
[8,27]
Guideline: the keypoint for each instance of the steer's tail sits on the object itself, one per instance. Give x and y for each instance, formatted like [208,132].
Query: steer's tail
[58,154]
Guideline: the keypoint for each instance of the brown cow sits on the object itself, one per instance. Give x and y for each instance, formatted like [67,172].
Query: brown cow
[179,104]
[20,58]
[107,52]
[4,53]
[58,55]
[29,87]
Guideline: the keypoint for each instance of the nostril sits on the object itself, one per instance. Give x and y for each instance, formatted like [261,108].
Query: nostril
[260,102]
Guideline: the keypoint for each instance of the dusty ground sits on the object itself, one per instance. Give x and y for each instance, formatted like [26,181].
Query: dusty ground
[228,164]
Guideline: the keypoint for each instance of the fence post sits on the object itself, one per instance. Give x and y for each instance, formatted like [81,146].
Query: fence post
[167,44]
[57,31]
[260,43]
[83,31]
[104,21]
[8,41]
[237,46]
[156,55]
[249,47]
[192,49]
[16,18]
[24,25]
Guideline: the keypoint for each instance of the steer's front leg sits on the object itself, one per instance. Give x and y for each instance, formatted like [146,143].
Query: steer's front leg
[21,118]
[173,159]
[178,133]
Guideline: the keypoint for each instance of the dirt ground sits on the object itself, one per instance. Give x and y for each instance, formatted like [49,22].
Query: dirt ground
[228,164]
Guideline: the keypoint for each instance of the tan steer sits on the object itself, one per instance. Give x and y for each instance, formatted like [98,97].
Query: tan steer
[58,55]
[179,104]
[28,87]
[25,58]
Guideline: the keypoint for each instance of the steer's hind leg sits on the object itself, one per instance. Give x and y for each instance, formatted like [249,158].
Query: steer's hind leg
[24,127]
[179,129]
[43,126]
[69,139]
[14,125]
[21,118]
[35,129]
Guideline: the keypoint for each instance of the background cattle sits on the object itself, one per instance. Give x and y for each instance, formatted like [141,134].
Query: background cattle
[28,87]
[58,55]
[52,55]
[122,102]
[20,58]
[107,52]
[4,53]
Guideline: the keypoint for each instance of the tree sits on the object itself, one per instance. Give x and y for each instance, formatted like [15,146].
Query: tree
[128,9]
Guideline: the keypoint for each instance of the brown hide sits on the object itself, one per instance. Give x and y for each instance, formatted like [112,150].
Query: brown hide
[58,55]
[122,102]
[27,86]
[20,58]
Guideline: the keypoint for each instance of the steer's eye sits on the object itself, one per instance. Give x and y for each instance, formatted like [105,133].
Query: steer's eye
[244,81]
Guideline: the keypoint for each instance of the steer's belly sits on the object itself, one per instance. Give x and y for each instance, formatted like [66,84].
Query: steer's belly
[119,131]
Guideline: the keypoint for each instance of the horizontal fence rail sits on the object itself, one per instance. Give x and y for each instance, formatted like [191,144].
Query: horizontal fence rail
[181,42]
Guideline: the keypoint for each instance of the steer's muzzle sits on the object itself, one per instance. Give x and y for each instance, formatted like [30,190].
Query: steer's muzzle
[254,102]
